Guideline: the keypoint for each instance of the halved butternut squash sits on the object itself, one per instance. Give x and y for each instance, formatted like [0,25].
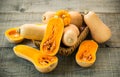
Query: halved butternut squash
[52,37]
[43,63]
[86,54]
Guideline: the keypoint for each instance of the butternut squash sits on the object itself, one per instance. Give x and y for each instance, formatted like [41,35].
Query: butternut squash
[52,38]
[69,38]
[63,50]
[99,31]
[13,36]
[70,35]
[65,16]
[43,63]
[86,54]
[47,15]
[76,18]
[73,28]
[33,31]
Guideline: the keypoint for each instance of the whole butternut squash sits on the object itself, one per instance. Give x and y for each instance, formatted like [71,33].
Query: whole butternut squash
[76,18]
[99,31]
[70,35]
[33,31]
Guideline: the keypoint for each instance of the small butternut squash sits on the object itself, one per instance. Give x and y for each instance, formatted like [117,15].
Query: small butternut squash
[13,36]
[69,38]
[65,16]
[33,31]
[86,54]
[43,63]
[52,38]
[72,27]
[99,31]
[70,35]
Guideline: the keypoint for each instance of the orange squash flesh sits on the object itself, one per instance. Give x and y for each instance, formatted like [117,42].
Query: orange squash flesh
[43,63]
[65,16]
[52,37]
[13,36]
[86,54]
[25,52]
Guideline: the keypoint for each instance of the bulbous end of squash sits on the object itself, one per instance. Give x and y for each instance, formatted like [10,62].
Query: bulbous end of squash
[13,36]
[86,54]
[45,63]
[76,18]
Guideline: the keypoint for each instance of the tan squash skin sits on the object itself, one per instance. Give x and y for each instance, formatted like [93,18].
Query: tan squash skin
[99,31]
[33,31]
[69,38]
[39,60]
[76,18]
[47,15]
[86,54]
[72,27]
[71,33]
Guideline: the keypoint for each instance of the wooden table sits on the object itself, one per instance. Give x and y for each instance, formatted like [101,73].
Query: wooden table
[14,13]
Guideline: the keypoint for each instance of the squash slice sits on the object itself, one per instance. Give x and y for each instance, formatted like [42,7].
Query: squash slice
[86,54]
[43,63]
[52,37]
[13,36]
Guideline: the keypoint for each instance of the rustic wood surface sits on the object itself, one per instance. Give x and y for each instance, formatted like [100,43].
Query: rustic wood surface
[14,13]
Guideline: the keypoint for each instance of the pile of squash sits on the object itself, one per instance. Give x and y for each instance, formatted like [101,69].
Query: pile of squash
[60,28]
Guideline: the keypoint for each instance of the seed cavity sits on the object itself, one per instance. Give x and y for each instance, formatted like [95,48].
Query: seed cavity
[50,44]
[45,60]
[86,56]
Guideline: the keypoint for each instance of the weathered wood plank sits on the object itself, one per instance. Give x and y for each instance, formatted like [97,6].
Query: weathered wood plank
[109,6]
[106,65]
[9,20]
[14,13]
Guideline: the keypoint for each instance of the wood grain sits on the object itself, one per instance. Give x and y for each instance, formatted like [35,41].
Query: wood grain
[109,6]
[107,64]
[14,13]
